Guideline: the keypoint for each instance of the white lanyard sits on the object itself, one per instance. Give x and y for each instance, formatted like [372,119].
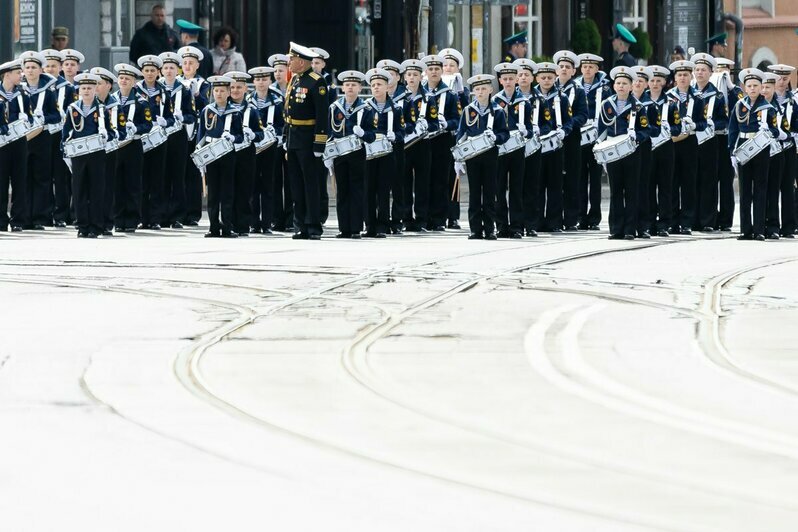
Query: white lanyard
[521,113]
[270,115]
[390,120]
[711,106]
[598,103]
[536,113]
[228,122]
[572,97]
[632,120]
[61,94]
[665,113]
[557,111]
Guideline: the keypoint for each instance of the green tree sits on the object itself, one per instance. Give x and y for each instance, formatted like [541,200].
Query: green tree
[586,38]
[642,49]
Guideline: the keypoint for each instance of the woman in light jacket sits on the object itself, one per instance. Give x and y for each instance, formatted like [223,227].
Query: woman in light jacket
[225,57]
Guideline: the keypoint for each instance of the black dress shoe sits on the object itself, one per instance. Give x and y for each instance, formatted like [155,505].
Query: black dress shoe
[155,227]
[503,233]
[708,230]
[229,234]
[556,230]
[582,227]
[60,224]
[343,235]
[108,232]
[773,236]
[531,232]
[176,225]
[355,236]
[191,223]
[593,227]
[37,227]
[4,229]
[788,235]
[300,236]
[453,224]
[16,228]
[490,236]
[475,236]
[439,229]
[686,231]
[256,230]
[267,232]
[423,230]
[314,237]
[380,235]
[243,233]
[745,237]
[91,234]
[368,234]
[212,234]
[615,237]
[629,237]
[144,226]
[571,229]
[725,229]
[279,228]
[644,235]
[82,235]
[663,233]
[761,238]
[396,230]
[516,234]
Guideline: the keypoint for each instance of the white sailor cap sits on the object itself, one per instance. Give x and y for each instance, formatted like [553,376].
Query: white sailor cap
[432,60]
[123,69]
[659,71]
[51,53]
[454,55]
[105,74]
[277,59]
[220,81]
[150,60]
[87,78]
[321,52]
[74,55]
[751,73]
[378,73]
[390,64]
[782,70]
[769,77]
[36,57]
[261,71]
[623,72]
[682,65]
[235,75]
[724,63]
[413,64]
[481,79]
[506,68]
[642,72]
[704,59]
[303,52]
[351,76]
[528,64]
[191,51]
[592,59]
[567,55]
[546,67]
[8,66]
[170,57]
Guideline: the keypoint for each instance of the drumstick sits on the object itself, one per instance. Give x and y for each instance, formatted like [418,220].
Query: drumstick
[456,187]
[204,184]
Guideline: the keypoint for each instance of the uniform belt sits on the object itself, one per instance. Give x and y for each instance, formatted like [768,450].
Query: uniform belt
[296,122]
[748,135]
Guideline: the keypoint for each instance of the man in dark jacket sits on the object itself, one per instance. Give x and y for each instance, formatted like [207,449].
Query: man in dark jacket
[155,37]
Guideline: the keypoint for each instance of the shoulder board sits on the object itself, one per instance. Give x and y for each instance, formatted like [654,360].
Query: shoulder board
[314,75]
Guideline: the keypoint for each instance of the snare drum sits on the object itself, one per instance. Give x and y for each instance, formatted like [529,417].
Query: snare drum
[532,146]
[412,138]
[55,128]
[216,149]
[269,139]
[703,136]
[16,130]
[341,146]
[659,140]
[470,147]
[550,142]
[379,148]
[514,143]
[174,128]
[751,147]
[83,146]
[111,145]
[589,134]
[614,149]
[153,139]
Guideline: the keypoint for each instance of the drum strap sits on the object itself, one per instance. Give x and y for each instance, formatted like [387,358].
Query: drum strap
[40,101]
[690,107]
[632,120]
[572,96]
[711,106]
[359,117]
[101,117]
[270,116]
[521,113]
[20,103]
[113,119]
[423,112]
[789,115]
[61,94]
[132,111]
[763,122]
[598,103]
[557,111]
[228,122]
[390,120]
[664,118]
[536,112]
[490,121]
[442,103]
[246,115]
[179,99]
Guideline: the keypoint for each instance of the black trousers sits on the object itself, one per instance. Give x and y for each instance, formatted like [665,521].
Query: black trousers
[781,178]
[379,175]
[13,171]
[153,206]
[283,197]
[350,171]
[532,191]
[589,188]
[725,185]
[481,171]
[707,185]
[109,187]
[244,178]
[685,154]
[305,190]
[193,188]
[416,185]
[753,193]
[661,187]
[550,192]
[453,186]
[398,207]
[263,188]
[88,189]
[219,179]
[644,216]
[572,153]
[510,192]
[127,185]
[39,182]
[624,194]
[175,176]
[62,184]
[324,195]
[439,192]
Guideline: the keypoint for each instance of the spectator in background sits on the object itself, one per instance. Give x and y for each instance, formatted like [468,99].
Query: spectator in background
[189,35]
[225,57]
[155,37]
[59,38]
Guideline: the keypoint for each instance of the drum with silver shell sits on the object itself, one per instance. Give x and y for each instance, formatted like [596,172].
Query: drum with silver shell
[589,133]
[752,146]
[532,146]
[341,146]
[515,142]
[413,137]
[470,147]
[111,145]
[659,140]
[379,148]
[550,141]
[153,139]
[16,130]
[269,139]
[84,146]
[208,153]
[614,149]
[703,136]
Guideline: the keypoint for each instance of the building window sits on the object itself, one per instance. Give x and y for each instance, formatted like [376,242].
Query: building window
[635,13]
[527,17]
[118,23]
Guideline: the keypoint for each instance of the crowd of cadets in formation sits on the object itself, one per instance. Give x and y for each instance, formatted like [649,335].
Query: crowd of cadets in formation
[678,187]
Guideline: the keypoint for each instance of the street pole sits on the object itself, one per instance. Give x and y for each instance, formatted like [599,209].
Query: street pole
[423,28]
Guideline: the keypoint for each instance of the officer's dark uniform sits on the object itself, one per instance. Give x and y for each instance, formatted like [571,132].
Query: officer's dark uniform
[244,175]
[14,159]
[572,150]
[306,131]
[707,182]
[549,215]
[201,91]
[177,156]
[590,171]
[266,162]
[783,183]
[625,59]
[416,186]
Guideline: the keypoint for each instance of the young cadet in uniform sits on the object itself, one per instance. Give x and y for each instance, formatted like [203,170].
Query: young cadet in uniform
[192,58]
[596,85]
[40,88]
[87,117]
[270,109]
[388,121]
[661,175]
[716,115]
[732,92]
[220,119]
[283,202]
[109,103]
[777,158]
[784,101]
[350,115]
[567,63]
[750,115]
[71,68]
[416,185]
[153,204]
[244,175]
[518,113]
[14,155]
[482,117]
[185,113]
[132,121]
[58,190]
[650,120]
[685,149]
[554,116]
[452,63]
[443,119]
[318,64]
[526,73]
[396,93]
[617,114]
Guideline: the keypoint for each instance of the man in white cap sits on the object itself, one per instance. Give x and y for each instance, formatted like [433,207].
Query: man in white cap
[660,202]
[777,158]
[726,83]
[453,61]
[784,184]
[109,103]
[319,64]
[397,94]
[650,119]
[417,153]
[14,154]
[270,108]
[526,76]
[71,66]
[283,199]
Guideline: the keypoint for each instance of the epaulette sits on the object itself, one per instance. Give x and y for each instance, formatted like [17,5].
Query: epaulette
[314,75]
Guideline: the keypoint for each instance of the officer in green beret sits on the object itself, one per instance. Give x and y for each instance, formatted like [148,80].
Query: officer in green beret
[621,41]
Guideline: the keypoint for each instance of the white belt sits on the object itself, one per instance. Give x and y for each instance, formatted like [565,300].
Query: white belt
[747,135]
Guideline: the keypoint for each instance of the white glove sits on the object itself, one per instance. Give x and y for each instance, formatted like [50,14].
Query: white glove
[560,133]
[490,134]
[228,136]
[22,116]
[734,164]
[420,129]
[178,116]
[104,134]
[357,130]
[391,136]
[195,87]
[317,154]
[249,135]
[783,135]
[442,122]
[330,164]
[522,128]
[131,129]
[710,123]
[633,134]
[459,167]
[161,121]
[38,114]
[423,121]
[667,129]
[271,130]
[536,130]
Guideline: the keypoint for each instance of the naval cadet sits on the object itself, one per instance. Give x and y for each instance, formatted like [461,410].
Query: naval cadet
[526,74]
[453,61]
[784,184]
[108,102]
[189,36]
[59,195]
[319,64]
[71,68]
[661,176]
[283,217]
[396,93]
[732,92]
[777,158]
[621,41]
[416,184]
[651,121]
[14,154]
[517,45]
